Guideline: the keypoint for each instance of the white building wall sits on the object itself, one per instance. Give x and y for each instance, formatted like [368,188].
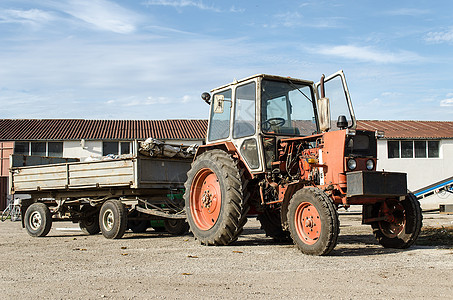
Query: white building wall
[421,172]
[75,149]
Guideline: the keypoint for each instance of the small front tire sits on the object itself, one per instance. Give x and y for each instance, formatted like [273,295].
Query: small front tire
[313,221]
[403,224]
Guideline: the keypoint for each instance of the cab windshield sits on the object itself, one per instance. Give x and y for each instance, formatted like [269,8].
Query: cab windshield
[287,108]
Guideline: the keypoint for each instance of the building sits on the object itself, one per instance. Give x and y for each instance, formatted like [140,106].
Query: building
[82,139]
[422,149]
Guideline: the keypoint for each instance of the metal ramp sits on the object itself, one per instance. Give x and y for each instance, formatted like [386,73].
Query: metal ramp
[443,186]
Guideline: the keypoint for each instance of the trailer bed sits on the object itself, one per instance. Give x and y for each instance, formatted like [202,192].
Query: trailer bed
[135,173]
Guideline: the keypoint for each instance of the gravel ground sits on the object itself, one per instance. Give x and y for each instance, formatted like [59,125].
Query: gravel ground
[69,265]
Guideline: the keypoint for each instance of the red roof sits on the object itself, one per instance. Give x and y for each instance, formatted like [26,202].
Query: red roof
[410,129]
[76,129]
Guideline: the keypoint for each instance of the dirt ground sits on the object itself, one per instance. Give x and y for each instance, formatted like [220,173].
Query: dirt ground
[69,265]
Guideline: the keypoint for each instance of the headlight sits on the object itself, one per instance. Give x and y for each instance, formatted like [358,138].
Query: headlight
[352,164]
[370,164]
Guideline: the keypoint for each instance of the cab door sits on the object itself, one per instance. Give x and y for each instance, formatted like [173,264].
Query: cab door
[340,103]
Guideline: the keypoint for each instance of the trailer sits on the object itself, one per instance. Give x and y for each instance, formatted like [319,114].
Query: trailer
[106,195]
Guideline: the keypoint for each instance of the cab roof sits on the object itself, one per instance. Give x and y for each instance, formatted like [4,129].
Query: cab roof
[266,76]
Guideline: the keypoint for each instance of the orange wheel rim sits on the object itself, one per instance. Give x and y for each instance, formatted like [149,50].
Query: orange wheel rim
[308,223]
[395,220]
[205,199]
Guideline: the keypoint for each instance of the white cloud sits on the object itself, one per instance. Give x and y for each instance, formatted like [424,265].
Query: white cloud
[102,14]
[440,36]
[31,16]
[367,54]
[414,12]
[295,19]
[446,102]
[185,3]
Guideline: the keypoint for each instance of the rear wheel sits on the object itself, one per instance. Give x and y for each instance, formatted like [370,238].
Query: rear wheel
[402,222]
[313,222]
[215,206]
[113,219]
[38,220]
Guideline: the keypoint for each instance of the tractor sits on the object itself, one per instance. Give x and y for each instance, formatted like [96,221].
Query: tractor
[289,152]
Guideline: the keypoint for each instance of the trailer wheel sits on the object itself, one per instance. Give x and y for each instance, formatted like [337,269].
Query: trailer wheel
[113,219]
[271,224]
[137,226]
[215,206]
[89,224]
[313,221]
[176,226]
[402,225]
[38,220]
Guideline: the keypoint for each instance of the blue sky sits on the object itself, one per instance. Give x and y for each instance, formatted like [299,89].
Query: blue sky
[152,59]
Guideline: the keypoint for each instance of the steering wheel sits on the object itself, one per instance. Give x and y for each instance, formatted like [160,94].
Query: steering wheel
[273,122]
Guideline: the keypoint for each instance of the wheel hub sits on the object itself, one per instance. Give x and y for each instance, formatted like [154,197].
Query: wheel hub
[205,197]
[35,220]
[308,223]
[108,219]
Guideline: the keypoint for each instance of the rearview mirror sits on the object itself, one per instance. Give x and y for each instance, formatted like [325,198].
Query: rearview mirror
[218,103]
[324,114]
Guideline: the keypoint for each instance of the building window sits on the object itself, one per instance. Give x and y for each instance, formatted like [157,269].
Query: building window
[54,149]
[420,149]
[413,149]
[433,149]
[407,149]
[22,148]
[116,148]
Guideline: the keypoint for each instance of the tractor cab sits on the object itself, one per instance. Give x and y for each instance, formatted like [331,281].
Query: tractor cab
[256,112]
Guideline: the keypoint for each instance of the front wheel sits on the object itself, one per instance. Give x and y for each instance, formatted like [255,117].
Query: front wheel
[38,220]
[113,219]
[401,224]
[313,222]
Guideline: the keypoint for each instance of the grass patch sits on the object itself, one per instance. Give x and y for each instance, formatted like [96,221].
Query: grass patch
[436,236]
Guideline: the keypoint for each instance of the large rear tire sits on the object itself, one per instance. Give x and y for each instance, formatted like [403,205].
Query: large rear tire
[313,221]
[113,219]
[38,220]
[215,205]
[403,224]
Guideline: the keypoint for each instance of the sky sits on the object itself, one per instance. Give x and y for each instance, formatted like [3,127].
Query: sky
[152,59]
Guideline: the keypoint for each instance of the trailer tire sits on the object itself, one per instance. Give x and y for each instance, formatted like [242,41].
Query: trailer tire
[90,225]
[138,226]
[271,224]
[38,220]
[406,227]
[113,219]
[176,226]
[313,221]
[216,208]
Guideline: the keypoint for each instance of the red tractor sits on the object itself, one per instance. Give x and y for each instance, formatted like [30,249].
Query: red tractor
[272,150]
